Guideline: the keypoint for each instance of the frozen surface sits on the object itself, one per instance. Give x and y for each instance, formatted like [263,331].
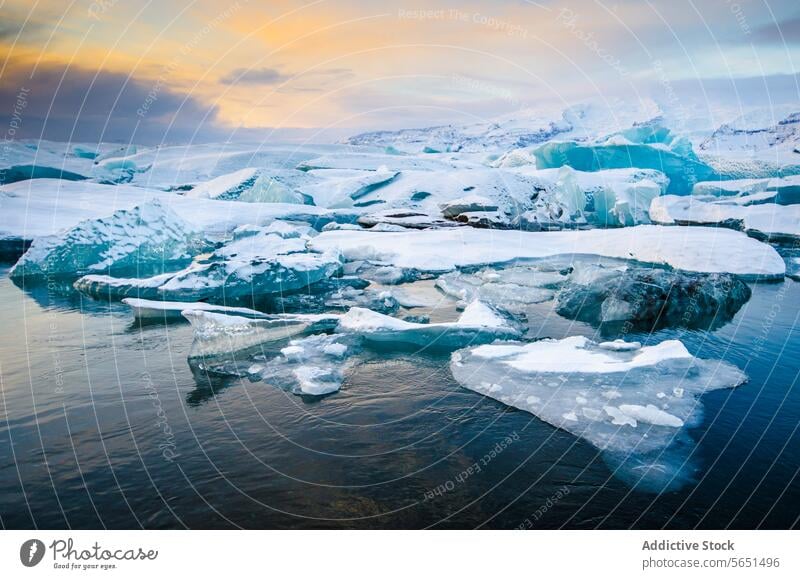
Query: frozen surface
[31,209]
[699,249]
[634,403]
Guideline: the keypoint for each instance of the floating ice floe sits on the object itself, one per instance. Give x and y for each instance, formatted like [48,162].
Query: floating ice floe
[217,334]
[634,403]
[512,289]
[648,297]
[312,366]
[162,310]
[764,221]
[699,249]
[478,324]
[147,235]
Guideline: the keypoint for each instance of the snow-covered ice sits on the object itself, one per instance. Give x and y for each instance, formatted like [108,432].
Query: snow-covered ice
[765,221]
[700,249]
[163,310]
[478,324]
[633,402]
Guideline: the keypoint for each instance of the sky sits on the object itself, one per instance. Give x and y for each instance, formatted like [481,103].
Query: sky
[200,70]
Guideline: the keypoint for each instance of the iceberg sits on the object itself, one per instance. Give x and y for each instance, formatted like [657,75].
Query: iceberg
[511,289]
[478,324]
[764,221]
[683,170]
[257,262]
[698,249]
[632,402]
[649,297]
[145,236]
[162,310]
[780,190]
[220,335]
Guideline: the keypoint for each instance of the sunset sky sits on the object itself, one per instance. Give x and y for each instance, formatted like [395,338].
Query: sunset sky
[182,70]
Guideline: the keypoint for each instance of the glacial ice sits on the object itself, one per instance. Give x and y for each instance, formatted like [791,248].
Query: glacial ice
[477,324]
[221,335]
[649,297]
[513,289]
[699,249]
[764,221]
[163,310]
[682,169]
[31,209]
[633,403]
[780,190]
[147,235]
[257,262]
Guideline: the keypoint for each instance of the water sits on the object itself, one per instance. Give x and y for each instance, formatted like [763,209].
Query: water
[103,423]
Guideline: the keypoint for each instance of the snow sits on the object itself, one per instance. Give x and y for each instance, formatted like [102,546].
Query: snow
[39,207]
[225,186]
[630,401]
[763,220]
[699,249]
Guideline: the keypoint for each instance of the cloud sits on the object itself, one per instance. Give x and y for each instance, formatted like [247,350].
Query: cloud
[70,103]
[254,76]
[12,30]
[785,32]
[311,81]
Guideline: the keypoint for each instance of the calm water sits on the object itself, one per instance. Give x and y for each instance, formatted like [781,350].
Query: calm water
[104,424]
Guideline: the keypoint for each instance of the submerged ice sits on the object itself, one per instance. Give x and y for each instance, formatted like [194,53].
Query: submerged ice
[631,401]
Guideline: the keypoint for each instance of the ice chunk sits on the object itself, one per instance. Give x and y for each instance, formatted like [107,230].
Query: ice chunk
[158,310]
[671,156]
[260,264]
[470,203]
[221,335]
[699,249]
[510,289]
[225,187]
[343,187]
[148,235]
[616,399]
[650,297]
[477,324]
[764,221]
